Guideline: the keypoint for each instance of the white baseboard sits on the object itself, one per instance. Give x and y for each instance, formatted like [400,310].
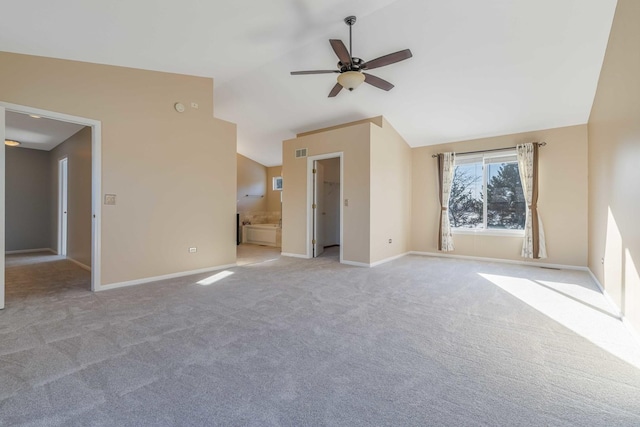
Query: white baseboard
[163,277]
[373,264]
[293,255]
[502,260]
[355,263]
[79,264]
[382,261]
[29,251]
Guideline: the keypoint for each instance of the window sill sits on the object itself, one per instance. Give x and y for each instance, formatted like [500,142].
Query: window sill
[484,232]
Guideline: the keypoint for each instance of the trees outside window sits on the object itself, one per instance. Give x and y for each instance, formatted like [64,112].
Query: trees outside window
[486,193]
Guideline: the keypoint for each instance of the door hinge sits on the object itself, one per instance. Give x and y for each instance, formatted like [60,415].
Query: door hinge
[313,241]
[314,171]
[313,206]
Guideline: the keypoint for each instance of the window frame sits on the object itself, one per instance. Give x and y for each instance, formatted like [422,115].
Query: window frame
[508,155]
[274,186]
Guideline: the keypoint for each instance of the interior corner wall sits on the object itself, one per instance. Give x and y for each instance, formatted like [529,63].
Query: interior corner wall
[562,204]
[252,185]
[614,166]
[390,193]
[174,174]
[28,200]
[273,196]
[353,142]
[77,149]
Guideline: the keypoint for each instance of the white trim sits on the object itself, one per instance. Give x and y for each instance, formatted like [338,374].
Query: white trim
[96,176]
[606,294]
[501,260]
[3,180]
[488,232]
[63,204]
[29,251]
[163,277]
[376,263]
[356,264]
[382,261]
[294,255]
[79,264]
[309,211]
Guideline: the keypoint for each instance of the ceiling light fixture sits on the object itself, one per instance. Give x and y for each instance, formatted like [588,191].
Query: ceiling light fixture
[11,143]
[350,79]
[34,116]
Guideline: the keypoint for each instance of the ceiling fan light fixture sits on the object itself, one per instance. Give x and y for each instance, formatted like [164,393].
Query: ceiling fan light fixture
[351,79]
[11,143]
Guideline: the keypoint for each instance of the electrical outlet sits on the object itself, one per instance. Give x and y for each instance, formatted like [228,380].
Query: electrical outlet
[390,240]
[194,105]
[109,199]
[193,250]
[346,202]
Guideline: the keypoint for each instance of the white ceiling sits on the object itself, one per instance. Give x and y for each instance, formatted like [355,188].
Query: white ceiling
[480,67]
[38,133]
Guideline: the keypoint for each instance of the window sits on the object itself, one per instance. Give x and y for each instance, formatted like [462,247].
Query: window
[486,193]
[277,183]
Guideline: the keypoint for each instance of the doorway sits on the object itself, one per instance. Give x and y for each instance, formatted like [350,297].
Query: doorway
[325,217]
[96,136]
[63,191]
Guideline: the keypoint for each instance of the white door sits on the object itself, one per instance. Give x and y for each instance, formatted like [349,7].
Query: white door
[2,181]
[318,208]
[63,176]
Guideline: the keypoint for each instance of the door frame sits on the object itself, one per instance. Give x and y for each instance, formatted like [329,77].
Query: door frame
[63,204]
[310,161]
[96,180]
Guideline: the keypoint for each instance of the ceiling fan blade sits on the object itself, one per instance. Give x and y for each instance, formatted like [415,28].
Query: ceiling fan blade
[377,82]
[300,73]
[341,50]
[389,59]
[336,90]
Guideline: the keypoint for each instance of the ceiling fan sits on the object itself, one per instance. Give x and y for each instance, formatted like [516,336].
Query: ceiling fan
[351,69]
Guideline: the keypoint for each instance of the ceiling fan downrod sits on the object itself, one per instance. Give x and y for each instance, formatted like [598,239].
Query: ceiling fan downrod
[350,21]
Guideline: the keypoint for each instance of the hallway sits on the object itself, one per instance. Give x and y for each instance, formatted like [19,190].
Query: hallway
[43,277]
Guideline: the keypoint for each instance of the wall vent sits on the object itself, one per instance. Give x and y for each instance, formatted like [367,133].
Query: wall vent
[301,152]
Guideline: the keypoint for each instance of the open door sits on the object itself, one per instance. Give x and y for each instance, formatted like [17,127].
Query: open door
[2,183]
[318,208]
[63,192]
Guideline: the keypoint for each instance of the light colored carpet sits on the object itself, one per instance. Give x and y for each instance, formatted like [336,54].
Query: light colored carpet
[284,341]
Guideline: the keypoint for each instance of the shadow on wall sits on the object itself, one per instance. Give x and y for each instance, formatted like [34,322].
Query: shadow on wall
[620,269]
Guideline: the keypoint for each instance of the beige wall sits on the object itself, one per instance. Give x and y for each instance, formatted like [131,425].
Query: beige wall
[28,199]
[252,185]
[353,142]
[562,203]
[273,196]
[77,149]
[390,193]
[174,174]
[614,166]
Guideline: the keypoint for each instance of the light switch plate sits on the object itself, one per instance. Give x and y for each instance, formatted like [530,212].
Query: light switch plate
[109,199]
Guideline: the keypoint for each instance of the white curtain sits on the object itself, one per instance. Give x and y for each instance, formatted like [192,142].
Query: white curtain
[446,170]
[534,243]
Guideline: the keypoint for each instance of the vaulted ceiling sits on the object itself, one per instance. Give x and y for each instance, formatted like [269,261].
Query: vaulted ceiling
[479,67]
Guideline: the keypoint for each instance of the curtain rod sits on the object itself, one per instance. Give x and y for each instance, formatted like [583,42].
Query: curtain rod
[539,144]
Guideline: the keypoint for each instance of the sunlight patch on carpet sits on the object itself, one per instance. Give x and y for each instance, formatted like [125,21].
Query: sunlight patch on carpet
[215,278]
[571,307]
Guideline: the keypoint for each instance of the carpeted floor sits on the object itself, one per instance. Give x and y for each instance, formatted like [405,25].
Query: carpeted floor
[284,341]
